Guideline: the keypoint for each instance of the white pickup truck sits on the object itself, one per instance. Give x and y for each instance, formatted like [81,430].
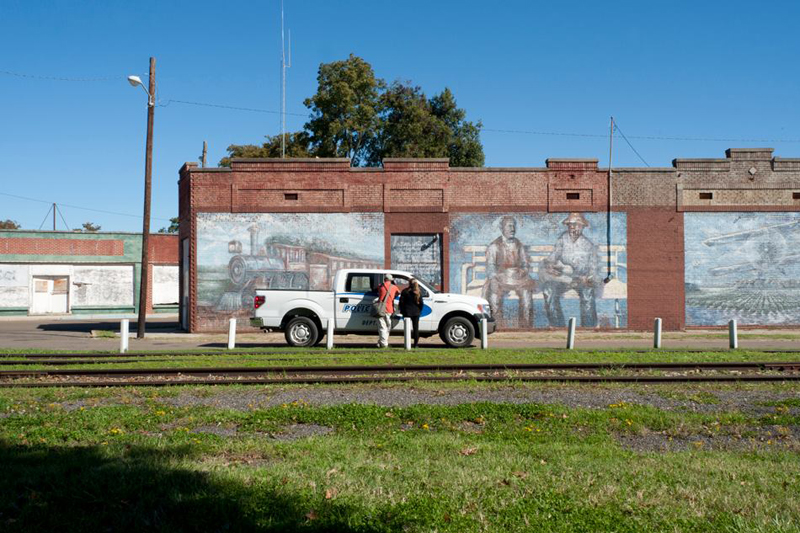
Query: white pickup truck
[303,315]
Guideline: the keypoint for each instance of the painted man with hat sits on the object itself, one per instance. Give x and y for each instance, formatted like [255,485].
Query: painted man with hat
[507,270]
[571,265]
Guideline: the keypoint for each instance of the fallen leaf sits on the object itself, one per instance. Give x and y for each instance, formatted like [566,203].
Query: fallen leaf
[311,515]
[469,451]
[330,494]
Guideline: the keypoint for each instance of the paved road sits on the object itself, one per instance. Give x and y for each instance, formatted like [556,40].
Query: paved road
[163,334]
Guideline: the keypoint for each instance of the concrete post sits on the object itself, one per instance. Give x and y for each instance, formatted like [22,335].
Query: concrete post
[124,333]
[407,333]
[329,338]
[232,334]
[657,333]
[571,333]
[733,335]
[484,334]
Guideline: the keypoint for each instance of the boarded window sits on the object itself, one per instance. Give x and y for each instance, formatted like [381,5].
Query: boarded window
[60,286]
[706,195]
[40,285]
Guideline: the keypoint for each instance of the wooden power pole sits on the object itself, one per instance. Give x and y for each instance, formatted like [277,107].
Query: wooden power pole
[144,285]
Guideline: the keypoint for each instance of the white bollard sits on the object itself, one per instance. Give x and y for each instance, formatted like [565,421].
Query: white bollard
[657,333]
[484,334]
[232,334]
[733,336]
[407,333]
[124,335]
[329,338]
[571,333]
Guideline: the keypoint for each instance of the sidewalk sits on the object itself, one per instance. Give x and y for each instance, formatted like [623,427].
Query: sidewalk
[63,333]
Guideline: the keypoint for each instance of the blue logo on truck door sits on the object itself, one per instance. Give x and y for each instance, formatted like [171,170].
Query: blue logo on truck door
[357,308]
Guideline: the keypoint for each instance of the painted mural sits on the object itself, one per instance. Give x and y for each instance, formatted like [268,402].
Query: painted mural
[419,254]
[239,252]
[538,269]
[743,266]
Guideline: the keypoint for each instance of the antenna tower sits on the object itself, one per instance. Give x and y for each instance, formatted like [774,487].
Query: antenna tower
[284,66]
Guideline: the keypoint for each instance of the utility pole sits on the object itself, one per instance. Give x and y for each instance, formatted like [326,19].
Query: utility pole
[54,217]
[205,151]
[144,285]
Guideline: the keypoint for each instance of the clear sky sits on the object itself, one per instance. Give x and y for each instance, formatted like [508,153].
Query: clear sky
[699,69]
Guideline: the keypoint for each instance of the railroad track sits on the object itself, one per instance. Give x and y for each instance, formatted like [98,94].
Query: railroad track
[542,372]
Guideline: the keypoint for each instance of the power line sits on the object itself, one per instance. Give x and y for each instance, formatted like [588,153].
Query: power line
[235,108]
[491,130]
[79,207]
[60,78]
[616,127]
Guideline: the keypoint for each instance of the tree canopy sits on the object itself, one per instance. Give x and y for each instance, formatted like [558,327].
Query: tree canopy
[357,115]
[90,227]
[173,224]
[9,224]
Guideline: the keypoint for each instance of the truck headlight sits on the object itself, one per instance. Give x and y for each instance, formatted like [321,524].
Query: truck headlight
[485,309]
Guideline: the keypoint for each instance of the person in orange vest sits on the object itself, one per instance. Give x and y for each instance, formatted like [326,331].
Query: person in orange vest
[386,293]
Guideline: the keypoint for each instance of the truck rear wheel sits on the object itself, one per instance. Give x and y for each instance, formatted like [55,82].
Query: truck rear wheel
[301,332]
[458,332]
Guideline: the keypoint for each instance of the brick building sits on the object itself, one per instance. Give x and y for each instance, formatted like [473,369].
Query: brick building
[59,272]
[696,244]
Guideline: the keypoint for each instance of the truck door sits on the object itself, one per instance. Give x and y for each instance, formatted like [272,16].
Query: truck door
[354,305]
[429,319]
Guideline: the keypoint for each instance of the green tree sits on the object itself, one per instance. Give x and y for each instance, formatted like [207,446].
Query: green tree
[172,228]
[408,128]
[464,146]
[88,226]
[297,145]
[344,111]
[9,224]
[356,115]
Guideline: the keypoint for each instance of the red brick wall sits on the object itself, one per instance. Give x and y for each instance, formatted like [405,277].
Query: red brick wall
[163,249]
[419,195]
[37,246]
[655,268]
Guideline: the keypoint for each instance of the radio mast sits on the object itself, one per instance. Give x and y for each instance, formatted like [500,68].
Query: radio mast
[284,66]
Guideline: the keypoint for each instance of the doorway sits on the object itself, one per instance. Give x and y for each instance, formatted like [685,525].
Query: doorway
[50,295]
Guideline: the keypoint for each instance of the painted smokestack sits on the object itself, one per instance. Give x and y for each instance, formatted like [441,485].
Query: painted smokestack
[253,238]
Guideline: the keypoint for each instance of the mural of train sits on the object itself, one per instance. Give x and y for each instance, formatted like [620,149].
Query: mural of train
[276,265]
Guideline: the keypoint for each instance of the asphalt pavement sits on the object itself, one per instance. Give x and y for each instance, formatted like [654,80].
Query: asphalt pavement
[163,333]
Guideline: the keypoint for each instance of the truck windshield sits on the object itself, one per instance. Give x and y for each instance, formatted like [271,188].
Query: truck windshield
[429,286]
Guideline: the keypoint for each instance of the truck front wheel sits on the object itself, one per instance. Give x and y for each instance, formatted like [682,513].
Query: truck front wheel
[301,332]
[458,332]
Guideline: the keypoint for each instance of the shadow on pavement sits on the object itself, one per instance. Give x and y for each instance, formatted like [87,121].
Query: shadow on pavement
[106,325]
[142,488]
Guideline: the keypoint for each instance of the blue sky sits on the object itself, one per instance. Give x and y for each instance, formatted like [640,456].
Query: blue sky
[670,69]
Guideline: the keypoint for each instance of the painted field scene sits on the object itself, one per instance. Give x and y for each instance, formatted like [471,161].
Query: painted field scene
[742,266]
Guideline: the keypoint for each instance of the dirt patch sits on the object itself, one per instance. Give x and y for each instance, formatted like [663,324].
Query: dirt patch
[220,431]
[751,438]
[750,402]
[300,431]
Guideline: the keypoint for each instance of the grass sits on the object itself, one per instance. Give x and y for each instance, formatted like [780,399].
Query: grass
[133,459]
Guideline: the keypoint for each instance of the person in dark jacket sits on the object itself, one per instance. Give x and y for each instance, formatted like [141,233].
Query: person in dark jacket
[411,306]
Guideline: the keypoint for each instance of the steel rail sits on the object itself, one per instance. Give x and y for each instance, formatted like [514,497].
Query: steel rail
[759,365]
[386,379]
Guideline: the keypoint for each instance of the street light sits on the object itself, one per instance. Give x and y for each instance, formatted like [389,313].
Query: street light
[144,284]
